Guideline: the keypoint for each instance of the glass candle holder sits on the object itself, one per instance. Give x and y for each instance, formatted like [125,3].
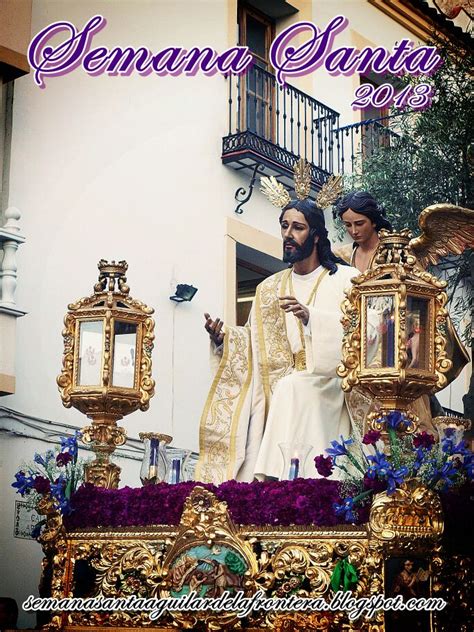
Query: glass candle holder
[178,470]
[456,427]
[294,459]
[155,464]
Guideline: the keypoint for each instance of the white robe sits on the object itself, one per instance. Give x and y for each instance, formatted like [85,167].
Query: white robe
[308,407]
[238,439]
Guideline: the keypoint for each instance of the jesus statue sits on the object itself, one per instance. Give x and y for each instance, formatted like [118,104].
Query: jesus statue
[276,380]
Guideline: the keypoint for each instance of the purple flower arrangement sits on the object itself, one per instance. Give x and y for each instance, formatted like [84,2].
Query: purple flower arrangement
[57,473]
[319,502]
[297,502]
[409,456]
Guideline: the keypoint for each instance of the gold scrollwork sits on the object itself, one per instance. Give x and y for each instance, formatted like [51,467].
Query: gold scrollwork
[411,517]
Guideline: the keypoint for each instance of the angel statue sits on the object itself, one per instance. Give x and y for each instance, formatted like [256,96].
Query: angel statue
[445,229]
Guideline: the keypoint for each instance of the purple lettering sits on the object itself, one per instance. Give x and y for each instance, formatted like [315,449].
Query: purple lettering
[372,59]
[424,59]
[339,60]
[196,59]
[163,61]
[396,62]
[235,60]
[49,61]
[96,55]
[124,60]
[290,61]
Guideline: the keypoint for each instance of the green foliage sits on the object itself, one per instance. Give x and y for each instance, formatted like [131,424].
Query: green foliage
[431,162]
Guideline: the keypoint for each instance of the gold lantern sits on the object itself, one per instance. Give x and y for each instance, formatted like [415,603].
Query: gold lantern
[395,327]
[108,340]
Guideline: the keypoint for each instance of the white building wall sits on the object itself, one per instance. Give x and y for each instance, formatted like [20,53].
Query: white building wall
[129,168]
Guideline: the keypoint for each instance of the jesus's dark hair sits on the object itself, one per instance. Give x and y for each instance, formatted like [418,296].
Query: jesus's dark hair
[315,218]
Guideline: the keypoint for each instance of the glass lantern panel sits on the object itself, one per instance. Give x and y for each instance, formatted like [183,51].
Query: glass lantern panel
[125,349]
[90,353]
[380,332]
[418,333]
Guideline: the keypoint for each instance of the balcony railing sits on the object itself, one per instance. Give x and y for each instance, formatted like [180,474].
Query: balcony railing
[360,140]
[273,125]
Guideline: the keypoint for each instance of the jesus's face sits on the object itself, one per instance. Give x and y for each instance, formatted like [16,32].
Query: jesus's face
[295,232]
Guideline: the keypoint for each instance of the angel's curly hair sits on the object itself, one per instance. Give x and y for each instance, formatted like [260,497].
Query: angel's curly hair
[363,203]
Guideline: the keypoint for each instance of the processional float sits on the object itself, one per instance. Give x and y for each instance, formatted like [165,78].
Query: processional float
[207,551]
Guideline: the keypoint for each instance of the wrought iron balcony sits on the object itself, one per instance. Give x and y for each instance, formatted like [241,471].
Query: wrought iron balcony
[271,126]
[360,140]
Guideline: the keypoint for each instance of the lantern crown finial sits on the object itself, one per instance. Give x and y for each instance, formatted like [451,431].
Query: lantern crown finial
[109,273]
[395,248]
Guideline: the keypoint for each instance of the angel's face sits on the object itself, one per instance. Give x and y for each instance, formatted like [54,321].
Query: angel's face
[359,227]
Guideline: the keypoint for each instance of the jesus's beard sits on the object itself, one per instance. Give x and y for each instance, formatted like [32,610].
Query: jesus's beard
[300,252]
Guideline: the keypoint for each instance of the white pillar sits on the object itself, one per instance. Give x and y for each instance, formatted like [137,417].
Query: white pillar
[10,238]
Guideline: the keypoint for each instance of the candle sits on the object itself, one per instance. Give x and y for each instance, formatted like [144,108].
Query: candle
[175,471]
[294,469]
[390,341]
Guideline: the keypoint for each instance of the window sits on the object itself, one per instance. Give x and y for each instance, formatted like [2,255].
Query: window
[257,32]
[376,133]
[6,105]
[252,267]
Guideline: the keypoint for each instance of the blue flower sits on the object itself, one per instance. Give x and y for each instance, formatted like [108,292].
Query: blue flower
[395,478]
[39,459]
[49,455]
[339,449]
[57,488]
[380,466]
[23,483]
[346,509]
[469,464]
[65,507]
[395,420]
[70,444]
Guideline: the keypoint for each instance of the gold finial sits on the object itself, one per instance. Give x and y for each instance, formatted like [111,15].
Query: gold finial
[278,195]
[108,273]
[275,191]
[302,171]
[330,191]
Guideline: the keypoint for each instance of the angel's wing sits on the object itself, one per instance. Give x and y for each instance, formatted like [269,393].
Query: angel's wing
[445,229]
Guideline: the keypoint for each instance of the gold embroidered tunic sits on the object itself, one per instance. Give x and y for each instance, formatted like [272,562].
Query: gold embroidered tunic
[259,398]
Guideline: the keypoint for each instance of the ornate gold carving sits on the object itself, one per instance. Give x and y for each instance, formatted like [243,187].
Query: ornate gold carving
[105,403]
[278,195]
[55,562]
[452,581]
[396,275]
[445,229]
[159,561]
[410,518]
[302,171]
[458,423]
[206,526]
[330,191]
[275,192]
[295,622]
